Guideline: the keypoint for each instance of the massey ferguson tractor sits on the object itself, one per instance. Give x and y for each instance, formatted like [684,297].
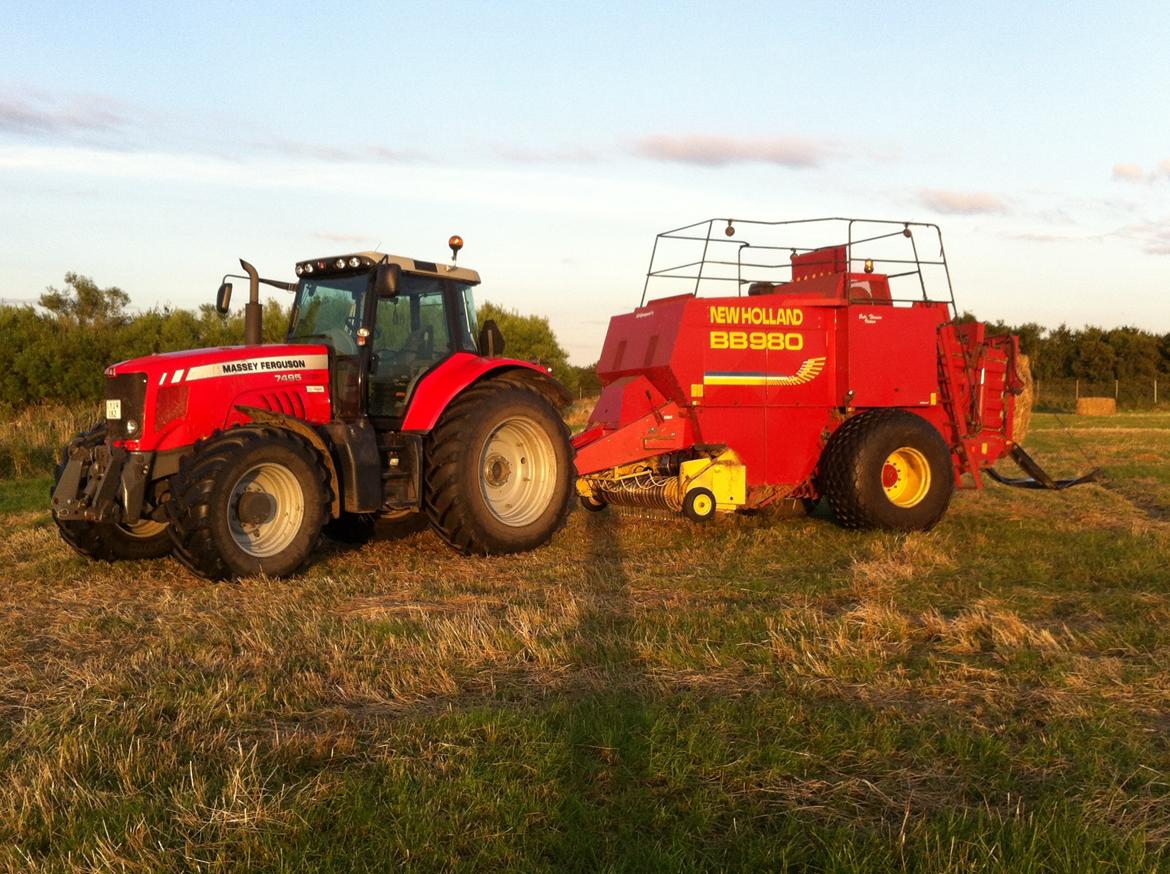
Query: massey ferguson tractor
[828,364]
[386,398]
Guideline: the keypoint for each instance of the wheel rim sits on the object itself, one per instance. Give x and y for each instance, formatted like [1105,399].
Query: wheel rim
[517,471]
[265,510]
[702,505]
[143,529]
[906,477]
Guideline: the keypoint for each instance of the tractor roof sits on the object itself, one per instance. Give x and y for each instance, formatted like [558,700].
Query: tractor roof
[328,265]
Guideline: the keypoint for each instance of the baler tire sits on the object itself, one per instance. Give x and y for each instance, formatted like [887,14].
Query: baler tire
[455,491]
[855,462]
[695,501]
[107,541]
[352,528]
[594,505]
[207,482]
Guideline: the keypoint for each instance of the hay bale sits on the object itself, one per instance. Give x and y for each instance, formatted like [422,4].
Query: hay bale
[1096,406]
[1024,400]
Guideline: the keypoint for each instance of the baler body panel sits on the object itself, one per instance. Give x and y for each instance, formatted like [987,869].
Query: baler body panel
[773,375]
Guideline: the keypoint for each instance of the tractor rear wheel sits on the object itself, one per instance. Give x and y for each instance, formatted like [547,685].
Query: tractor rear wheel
[499,470]
[887,469]
[107,541]
[250,500]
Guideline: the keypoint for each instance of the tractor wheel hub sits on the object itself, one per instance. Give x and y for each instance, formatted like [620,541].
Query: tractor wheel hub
[497,470]
[256,508]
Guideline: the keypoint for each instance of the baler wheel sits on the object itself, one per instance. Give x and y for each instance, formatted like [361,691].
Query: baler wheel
[887,469]
[699,505]
[593,504]
[106,541]
[499,470]
[250,500]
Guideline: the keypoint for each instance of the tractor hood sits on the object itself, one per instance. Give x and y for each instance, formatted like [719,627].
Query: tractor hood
[198,364]
[172,399]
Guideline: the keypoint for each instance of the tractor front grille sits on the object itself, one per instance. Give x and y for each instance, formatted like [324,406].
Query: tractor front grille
[126,396]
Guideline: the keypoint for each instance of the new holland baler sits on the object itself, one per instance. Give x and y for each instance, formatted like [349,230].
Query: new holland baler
[835,369]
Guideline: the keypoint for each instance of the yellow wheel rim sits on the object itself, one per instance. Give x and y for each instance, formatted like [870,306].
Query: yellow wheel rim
[702,505]
[906,477]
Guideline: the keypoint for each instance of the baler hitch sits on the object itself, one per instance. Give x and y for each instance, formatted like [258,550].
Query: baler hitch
[1037,477]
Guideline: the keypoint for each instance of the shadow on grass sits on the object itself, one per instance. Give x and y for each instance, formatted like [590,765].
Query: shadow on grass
[606,803]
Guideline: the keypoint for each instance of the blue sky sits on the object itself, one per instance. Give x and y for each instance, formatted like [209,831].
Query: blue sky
[150,147]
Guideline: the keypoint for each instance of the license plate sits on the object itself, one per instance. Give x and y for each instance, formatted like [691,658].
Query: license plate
[113,409]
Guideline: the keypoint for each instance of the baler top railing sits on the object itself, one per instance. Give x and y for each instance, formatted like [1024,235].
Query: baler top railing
[713,264]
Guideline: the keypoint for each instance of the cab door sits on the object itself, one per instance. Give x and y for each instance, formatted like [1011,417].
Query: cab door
[411,333]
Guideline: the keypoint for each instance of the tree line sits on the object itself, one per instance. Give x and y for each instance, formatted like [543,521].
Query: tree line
[57,352]
[1089,353]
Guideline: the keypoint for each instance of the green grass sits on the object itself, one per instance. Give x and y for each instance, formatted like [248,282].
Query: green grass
[766,692]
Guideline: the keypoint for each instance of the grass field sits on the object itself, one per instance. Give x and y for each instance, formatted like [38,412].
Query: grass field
[764,692]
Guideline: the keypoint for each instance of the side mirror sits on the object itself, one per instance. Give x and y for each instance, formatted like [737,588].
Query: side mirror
[223,299]
[386,280]
[491,340]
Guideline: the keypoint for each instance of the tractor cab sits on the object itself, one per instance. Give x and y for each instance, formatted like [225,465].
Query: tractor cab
[388,321]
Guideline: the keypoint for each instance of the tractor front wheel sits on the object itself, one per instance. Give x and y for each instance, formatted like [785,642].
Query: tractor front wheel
[887,469]
[499,470]
[107,541]
[248,501]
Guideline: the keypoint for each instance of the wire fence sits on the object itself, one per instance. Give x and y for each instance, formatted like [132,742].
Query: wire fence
[1130,394]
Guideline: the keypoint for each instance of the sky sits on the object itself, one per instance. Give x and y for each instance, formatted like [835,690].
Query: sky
[150,146]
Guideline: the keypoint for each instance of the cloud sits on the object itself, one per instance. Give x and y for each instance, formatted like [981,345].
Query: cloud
[1128,173]
[331,237]
[568,155]
[716,151]
[318,152]
[38,114]
[961,202]
[1152,236]
[1135,174]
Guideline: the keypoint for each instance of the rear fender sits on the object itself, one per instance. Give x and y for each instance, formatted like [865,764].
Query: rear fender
[458,373]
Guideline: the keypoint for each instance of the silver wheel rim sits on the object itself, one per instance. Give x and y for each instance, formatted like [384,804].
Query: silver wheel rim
[143,529]
[269,535]
[517,471]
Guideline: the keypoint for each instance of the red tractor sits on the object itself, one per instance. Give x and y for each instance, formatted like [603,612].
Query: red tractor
[386,398]
[811,374]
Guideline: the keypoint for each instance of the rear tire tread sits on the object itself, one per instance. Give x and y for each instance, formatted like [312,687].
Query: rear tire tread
[446,450]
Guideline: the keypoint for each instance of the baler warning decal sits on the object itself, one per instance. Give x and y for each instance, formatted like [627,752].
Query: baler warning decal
[809,370]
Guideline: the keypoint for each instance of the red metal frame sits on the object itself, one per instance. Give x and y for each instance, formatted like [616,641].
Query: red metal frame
[774,374]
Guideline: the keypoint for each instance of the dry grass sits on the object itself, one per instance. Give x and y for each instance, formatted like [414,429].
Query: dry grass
[642,694]
[31,441]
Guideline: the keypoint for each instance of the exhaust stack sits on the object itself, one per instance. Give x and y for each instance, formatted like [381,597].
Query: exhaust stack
[253,312]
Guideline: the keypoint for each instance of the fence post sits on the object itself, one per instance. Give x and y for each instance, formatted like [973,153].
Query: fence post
[1155,391]
[1077,390]
[1116,390]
